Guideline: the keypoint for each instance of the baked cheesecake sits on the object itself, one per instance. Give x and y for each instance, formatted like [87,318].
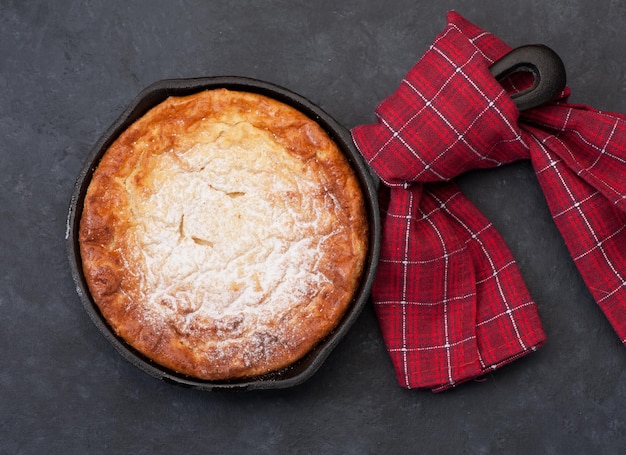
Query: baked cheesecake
[223,235]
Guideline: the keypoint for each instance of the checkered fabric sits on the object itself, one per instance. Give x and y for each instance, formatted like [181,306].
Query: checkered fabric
[449,297]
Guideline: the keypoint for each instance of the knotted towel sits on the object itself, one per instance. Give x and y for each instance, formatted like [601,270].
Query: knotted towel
[449,297]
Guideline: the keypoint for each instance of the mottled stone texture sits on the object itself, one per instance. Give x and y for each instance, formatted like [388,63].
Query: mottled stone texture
[68,69]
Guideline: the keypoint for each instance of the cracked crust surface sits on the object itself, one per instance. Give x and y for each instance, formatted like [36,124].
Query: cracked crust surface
[223,235]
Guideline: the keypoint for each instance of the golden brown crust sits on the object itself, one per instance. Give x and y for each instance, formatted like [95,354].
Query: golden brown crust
[223,235]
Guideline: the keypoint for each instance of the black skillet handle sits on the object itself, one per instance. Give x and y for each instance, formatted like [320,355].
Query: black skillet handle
[545,65]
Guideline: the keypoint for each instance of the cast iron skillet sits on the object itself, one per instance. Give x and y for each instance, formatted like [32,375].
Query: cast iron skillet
[150,97]
[543,63]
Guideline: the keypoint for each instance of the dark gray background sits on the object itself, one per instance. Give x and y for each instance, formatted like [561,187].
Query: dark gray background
[68,69]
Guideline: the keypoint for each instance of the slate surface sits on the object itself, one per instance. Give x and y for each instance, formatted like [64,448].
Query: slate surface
[68,69]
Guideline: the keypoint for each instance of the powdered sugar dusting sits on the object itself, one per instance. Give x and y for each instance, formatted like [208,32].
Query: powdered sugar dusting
[228,231]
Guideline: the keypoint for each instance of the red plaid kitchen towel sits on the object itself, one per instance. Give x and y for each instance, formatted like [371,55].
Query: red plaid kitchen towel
[449,297]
